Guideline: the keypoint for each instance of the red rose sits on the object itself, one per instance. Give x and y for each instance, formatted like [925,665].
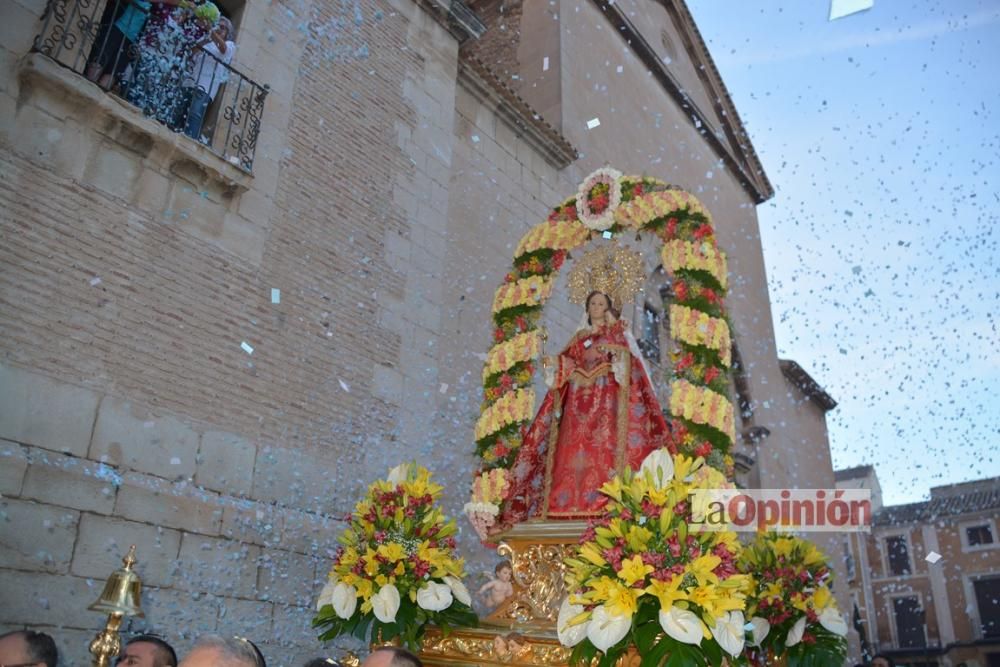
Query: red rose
[703,230]
[704,449]
[637,190]
[711,374]
[681,290]
[672,227]
[498,335]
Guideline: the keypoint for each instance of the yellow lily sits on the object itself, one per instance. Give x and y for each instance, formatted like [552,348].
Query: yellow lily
[633,570]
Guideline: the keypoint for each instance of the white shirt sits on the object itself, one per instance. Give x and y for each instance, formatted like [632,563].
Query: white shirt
[206,72]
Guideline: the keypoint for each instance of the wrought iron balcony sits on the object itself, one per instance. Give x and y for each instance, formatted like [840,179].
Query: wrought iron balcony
[169,70]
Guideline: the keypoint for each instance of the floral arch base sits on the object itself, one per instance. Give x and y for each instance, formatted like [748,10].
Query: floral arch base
[700,413]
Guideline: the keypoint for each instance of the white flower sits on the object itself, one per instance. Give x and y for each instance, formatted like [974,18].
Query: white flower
[795,634]
[761,627]
[459,590]
[605,630]
[606,218]
[681,624]
[660,465]
[326,595]
[570,635]
[730,631]
[434,596]
[831,619]
[399,474]
[344,600]
[482,508]
[385,603]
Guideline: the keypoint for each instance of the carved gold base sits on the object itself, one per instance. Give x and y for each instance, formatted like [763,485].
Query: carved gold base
[492,646]
[536,550]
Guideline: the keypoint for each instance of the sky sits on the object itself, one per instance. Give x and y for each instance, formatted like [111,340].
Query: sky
[880,132]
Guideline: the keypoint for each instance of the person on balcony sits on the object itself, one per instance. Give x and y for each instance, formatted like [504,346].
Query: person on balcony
[114,47]
[209,70]
[174,27]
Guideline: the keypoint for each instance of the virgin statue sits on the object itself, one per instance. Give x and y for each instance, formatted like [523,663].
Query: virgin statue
[600,414]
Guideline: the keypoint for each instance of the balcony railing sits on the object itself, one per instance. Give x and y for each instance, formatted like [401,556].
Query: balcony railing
[160,70]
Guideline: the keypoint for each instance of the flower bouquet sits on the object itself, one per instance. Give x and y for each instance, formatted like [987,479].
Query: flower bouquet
[396,571]
[648,581]
[792,608]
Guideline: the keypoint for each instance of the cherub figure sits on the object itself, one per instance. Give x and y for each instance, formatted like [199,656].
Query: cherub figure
[496,591]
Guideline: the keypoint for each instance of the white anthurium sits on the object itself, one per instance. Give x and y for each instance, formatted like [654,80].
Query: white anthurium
[344,600]
[570,635]
[832,620]
[730,632]
[661,465]
[434,596]
[385,603]
[399,474]
[459,590]
[606,629]
[326,595]
[761,627]
[681,624]
[795,634]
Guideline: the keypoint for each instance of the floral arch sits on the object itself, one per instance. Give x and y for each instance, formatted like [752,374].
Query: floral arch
[700,413]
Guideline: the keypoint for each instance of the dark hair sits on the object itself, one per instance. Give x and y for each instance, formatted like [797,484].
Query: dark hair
[322,662]
[892,663]
[41,647]
[166,657]
[400,657]
[611,307]
[502,565]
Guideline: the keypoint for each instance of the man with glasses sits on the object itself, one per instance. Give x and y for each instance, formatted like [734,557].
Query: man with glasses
[147,651]
[26,648]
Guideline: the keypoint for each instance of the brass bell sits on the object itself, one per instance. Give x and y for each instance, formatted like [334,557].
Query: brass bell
[122,592]
[120,598]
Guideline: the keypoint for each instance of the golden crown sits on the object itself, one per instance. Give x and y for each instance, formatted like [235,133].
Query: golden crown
[612,269]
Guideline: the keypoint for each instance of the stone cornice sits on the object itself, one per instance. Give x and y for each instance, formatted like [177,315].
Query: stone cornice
[529,125]
[743,162]
[455,17]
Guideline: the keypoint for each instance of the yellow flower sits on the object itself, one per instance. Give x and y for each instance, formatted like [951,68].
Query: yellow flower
[622,601]
[783,546]
[714,600]
[667,592]
[813,556]
[702,566]
[633,570]
[821,598]
[613,489]
[638,538]
[393,552]
[592,554]
[371,565]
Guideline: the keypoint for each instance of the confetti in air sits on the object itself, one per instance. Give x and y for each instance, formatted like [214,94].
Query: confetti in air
[593,122]
[95,281]
[841,8]
[246,347]
[443,388]
[545,64]
[275,295]
[344,386]
[933,557]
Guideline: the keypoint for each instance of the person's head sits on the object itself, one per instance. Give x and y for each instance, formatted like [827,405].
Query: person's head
[26,648]
[390,656]
[598,304]
[147,651]
[216,651]
[503,570]
[882,660]
[224,28]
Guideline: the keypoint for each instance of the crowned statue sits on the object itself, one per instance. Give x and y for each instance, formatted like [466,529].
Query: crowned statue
[600,414]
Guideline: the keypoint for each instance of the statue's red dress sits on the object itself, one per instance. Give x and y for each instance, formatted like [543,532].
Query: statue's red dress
[600,415]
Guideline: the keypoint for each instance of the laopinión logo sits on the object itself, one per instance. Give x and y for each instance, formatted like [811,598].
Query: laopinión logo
[800,510]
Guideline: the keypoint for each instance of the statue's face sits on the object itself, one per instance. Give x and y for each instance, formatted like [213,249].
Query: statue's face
[597,307]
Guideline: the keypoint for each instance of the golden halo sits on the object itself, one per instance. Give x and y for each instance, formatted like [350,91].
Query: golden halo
[613,269]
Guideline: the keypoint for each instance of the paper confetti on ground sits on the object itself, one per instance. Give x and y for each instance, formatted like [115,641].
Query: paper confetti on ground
[444,388]
[475,138]
[593,122]
[343,385]
[175,461]
[545,64]
[841,8]
[95,281]
[933,557]
[246,347]
[275,295]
